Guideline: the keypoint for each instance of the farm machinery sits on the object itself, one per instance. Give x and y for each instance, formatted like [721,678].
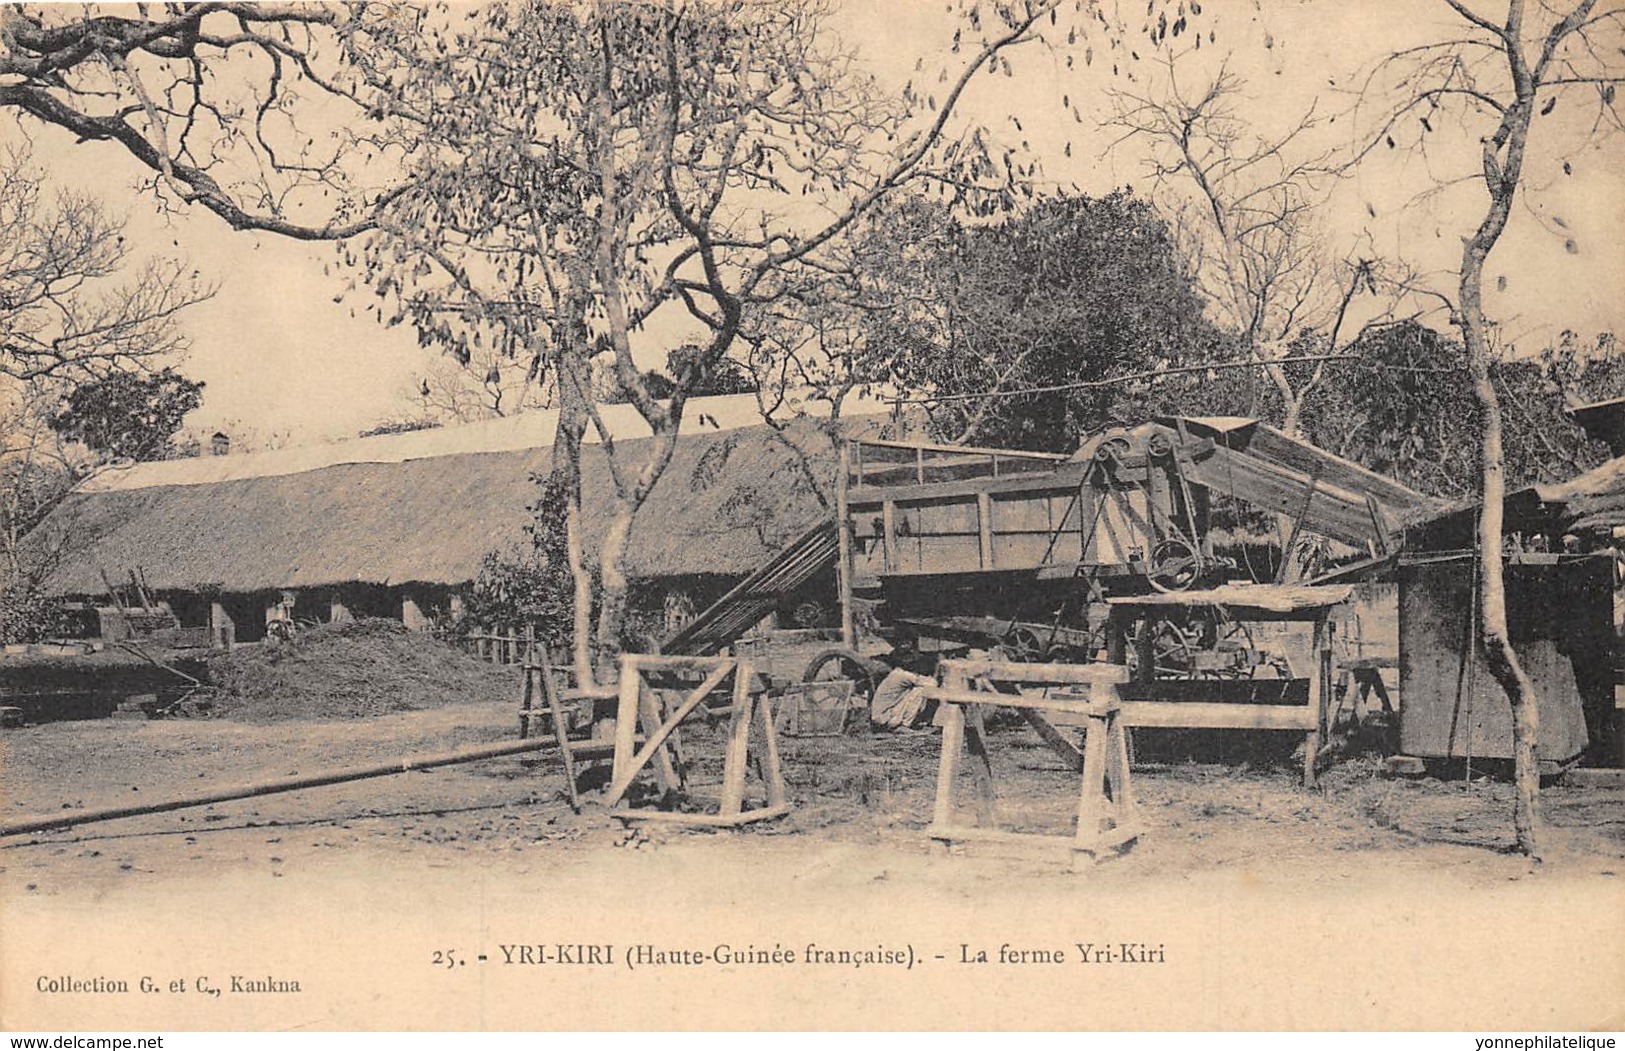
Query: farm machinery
[950,547]
[1158,546]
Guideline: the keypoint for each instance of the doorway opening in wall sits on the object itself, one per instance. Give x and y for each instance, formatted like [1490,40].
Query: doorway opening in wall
[247,613]
[313,606]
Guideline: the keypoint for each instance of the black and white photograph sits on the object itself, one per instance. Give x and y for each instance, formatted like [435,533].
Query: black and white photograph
[812,515]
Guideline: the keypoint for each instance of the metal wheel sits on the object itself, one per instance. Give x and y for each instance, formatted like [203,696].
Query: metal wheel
[842,663]
[807,613]
[1173,649]
[1022,646]
[1175,564]
[1114,449]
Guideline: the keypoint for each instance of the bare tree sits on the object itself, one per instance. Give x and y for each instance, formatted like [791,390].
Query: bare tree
[1497,74]
[64,312]
[237,107]
[70,314]
[1246,207]
[37,467]
[490,386]
[596,163]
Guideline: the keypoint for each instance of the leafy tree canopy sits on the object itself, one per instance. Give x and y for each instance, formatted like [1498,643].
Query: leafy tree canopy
[1072,291]
[128,416]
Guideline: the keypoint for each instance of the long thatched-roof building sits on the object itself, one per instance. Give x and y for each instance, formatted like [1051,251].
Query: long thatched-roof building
[397,525]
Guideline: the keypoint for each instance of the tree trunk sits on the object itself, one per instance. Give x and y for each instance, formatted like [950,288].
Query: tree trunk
[567,474]
[1503,660]
[1501,173]
[614,585]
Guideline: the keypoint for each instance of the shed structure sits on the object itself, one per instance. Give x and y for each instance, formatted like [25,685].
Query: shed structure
[1565,612]
[398,525]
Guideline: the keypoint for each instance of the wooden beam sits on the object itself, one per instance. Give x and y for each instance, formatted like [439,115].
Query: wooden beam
[953,743]
[772,768]
[1014,454]
[560,729]
[1202,715]
[843,559]
[733,762]
[973,834]
[1379,522]
[1070,753]
[744,817]
[888,535]
[1060,481]
[984,528]
[950,696]
[674,662]
[1053,674]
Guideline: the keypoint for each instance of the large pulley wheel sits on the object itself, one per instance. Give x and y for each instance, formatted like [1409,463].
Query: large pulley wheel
[1114,449]
[1175,564]
[841,663]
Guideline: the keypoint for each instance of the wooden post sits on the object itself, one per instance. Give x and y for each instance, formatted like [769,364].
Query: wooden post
[1116,637]
[1092,811]
[981,764]
[222,629]
[561,729]
[525,703]
[888,532]
[1320,670]
[772,769]
[1145,647]
[843,540]
[626,714]
[984,528]
[1086,513]
[733,762]
[953,743]
[1104,696]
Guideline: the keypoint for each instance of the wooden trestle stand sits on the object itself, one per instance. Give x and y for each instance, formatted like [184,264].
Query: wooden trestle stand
[1107,816]
[750,730]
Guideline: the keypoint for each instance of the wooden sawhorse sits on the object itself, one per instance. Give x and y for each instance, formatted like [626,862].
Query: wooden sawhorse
[1107,821]
[748,713]
[539,689]
[1362,680]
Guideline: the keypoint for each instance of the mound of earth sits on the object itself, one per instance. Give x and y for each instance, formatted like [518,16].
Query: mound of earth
[352,670]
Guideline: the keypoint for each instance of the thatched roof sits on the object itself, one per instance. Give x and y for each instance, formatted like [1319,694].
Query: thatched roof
[727,502]
[532,430]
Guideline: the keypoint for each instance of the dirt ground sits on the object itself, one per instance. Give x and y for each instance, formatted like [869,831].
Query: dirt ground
[1360,842]
[863,788]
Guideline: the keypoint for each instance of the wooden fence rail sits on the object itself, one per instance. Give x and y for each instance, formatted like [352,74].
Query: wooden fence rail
[501,645]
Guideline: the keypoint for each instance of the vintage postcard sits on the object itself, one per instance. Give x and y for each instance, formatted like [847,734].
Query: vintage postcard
[812,515]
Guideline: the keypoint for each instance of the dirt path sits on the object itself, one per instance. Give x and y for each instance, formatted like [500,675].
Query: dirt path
[1368,903]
